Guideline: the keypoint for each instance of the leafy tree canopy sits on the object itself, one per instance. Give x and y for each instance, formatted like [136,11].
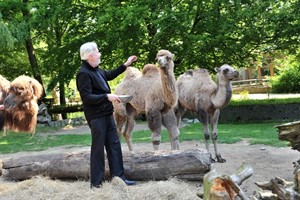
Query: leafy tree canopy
[203,34]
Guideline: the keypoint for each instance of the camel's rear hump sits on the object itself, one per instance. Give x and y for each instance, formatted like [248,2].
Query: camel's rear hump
[132,73]
[150,70]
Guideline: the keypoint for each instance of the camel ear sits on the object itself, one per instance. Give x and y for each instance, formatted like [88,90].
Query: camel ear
[217,69]
[36,88]
[171,56]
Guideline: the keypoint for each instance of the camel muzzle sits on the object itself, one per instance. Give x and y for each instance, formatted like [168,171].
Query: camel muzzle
[11,101]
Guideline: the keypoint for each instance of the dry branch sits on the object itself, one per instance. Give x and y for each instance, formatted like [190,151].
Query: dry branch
[283,190]
[153,165]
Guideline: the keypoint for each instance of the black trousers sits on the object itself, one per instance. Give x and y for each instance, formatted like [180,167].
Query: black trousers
[104,134]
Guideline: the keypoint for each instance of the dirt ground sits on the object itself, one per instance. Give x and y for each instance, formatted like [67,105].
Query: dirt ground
[267,162]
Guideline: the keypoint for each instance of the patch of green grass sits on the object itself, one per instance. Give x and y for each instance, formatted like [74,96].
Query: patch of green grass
[255,133]
[15,142]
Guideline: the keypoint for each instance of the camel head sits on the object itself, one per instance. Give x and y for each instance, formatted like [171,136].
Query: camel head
[227,72]
[23,89]
[163,58]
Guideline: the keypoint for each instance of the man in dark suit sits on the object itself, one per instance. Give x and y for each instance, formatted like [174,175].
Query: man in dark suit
[97,104]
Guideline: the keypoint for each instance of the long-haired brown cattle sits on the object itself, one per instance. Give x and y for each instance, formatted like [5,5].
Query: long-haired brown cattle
[19,98]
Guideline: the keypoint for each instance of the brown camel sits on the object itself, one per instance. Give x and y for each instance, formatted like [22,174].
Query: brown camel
[19,98]
[154,93]
[4,89]
[199,94]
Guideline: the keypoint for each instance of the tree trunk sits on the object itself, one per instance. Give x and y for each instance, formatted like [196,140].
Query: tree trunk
[62,97]
[223,187]
[30,52]
[152,165]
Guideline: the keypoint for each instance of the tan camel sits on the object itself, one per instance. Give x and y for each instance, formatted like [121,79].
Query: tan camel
[199,94]
[155,94]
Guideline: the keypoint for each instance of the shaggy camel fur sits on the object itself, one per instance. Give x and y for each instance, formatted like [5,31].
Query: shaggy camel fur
[199,94]
[154,93]
[4,89]
[19,98]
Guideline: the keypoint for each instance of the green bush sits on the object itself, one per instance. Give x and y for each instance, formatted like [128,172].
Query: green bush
[288,81]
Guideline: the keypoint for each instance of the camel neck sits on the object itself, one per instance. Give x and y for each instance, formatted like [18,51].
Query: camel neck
[222,95]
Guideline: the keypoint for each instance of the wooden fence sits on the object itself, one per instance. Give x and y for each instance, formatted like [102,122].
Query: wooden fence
[251,82]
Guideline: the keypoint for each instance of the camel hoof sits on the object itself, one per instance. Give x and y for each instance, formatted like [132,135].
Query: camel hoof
[212,160]
[220,159]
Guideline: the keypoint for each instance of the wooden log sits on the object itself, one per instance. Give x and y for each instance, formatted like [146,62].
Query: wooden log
[224,187]
[53,165]
[265,195]
[283,189]
[153,165]
[1,164]
[290,132]
[280,188]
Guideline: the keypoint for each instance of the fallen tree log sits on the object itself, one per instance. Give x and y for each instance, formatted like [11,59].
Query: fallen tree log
[224,187]
[282,189]
[153,165]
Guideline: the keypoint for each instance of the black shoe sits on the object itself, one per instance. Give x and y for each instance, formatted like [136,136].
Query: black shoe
[96,186]
[129,182]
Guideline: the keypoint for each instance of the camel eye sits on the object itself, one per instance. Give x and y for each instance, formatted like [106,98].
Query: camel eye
[226,70]
[14,90]
[18,91]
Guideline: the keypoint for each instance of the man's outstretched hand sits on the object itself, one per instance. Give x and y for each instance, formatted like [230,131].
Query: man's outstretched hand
[130,60]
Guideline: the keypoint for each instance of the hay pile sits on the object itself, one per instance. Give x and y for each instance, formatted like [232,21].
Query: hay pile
[45,188]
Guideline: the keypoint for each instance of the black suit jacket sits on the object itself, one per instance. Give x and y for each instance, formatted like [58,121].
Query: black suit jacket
[93,89]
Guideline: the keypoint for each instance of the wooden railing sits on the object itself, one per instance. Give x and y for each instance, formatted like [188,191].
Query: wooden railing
[249,82]
[72,105]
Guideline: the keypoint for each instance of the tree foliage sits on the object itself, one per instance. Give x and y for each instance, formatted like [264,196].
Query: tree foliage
[288,80]
[203,34]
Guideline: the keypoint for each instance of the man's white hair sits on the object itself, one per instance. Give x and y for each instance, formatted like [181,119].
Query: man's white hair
[86,49]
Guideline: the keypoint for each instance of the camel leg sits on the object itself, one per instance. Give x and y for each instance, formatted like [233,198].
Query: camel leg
[120,117]
[130,123]
[203,118]
[169,121]
[179,111]
[154,119]
[214,123]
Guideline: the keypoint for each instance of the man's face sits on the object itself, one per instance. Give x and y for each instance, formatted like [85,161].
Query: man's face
[95,57]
